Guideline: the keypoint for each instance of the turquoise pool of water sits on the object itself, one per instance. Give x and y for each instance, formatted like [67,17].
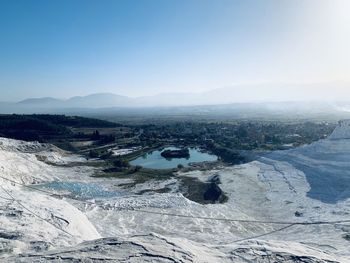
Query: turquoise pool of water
[154,160]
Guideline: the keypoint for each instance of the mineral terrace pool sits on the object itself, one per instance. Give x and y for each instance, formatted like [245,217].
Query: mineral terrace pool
[154,160]
[80,190]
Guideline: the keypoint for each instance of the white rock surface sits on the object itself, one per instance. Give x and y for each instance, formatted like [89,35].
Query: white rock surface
[342,131]
[34,218]
[272,188]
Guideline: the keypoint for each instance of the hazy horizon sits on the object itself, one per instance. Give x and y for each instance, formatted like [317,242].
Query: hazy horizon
[245,93]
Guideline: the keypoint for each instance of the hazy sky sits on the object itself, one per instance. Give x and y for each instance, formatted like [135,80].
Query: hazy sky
[65,48]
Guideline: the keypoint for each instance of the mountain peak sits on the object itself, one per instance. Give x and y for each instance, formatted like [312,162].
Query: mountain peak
[43,100]
[100,95]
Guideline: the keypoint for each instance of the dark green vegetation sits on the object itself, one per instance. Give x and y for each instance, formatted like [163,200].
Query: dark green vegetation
[203,192]
[229,139]
[233,141]
[346,237]
[182,153]
[68,132]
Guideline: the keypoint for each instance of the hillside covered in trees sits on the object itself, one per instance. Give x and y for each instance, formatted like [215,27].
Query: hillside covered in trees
[46,127]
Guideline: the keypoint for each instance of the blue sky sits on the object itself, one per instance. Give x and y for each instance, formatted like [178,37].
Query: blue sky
[64,48]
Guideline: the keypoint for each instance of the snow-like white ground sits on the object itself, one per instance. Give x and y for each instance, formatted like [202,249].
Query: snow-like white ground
[342,131]
[22,227]
[289,186]
[121,152]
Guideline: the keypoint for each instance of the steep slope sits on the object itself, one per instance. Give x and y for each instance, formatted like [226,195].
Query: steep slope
[342,131]
[325,165]
[31,220]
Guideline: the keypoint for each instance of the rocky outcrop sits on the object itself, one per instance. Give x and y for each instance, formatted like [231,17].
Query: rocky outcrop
[154,248]
[182,153]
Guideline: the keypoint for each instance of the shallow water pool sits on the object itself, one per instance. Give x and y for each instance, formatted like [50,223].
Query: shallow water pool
[80,190]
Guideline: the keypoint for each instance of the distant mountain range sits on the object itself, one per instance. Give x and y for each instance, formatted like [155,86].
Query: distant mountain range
[108,100]
[98,100]
[276,92]
[281,97]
